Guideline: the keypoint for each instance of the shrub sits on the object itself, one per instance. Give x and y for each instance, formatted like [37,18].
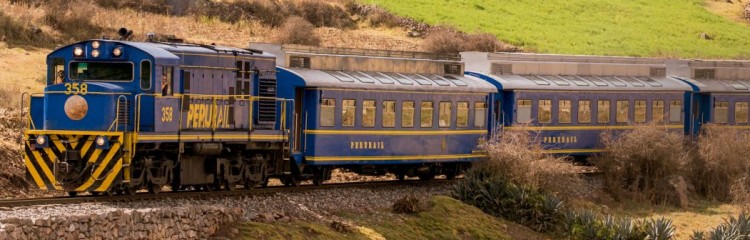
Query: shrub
[720,169]
[517,157]
[732,228]
[73,24]
[587,225]
[408,204]
[15,33]
[500,198]
[444,40]
[482,42]
[636,162]
[297,31]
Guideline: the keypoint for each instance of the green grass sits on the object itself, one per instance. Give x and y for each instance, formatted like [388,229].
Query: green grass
[293,231]
[447,218]
[653,28]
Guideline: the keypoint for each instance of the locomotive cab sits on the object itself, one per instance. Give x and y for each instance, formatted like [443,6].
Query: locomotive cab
[76,134]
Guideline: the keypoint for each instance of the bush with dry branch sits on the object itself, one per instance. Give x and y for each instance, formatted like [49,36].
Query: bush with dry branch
[518,157]
[637,162]
[297,31]
[720,169]
[445,39]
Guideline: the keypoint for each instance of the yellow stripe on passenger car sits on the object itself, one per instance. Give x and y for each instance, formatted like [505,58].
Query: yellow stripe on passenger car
[394,132]
[115,147]
[409,157]
[34,173]
[555,151]
[562,128]
[111,177]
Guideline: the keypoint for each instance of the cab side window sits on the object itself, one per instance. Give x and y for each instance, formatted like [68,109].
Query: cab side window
[58,71]
[145,75]
[166,81]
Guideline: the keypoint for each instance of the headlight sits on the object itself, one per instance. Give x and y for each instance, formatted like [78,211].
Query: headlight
[76,107]
[100,141]
[95,44]
[117,51]
[41,140]
[95,53]
[78,51]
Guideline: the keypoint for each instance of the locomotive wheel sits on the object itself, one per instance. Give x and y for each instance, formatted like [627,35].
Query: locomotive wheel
[450,175]
[318,181]
[401,176]
[264,182]
[290,181]
[131,190]
[249,184]
[73,194]
[426,176]
[94,193]
[154,189]
[228,186]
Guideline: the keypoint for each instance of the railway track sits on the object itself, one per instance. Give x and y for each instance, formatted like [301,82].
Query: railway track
[14,203]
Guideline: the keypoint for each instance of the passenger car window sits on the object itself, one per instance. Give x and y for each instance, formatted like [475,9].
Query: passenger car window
[622,111]
[368,115]
[657,111]
[721,112]
[389,113]
[348,112]
[445,114]
[602,111]
[640,111]
[327,112]
[407,114]
[462,114]
[425,116]
[564,111]
[524,111]
[740,112]
[480,114]
[544,114]
[584,111]
[675,111]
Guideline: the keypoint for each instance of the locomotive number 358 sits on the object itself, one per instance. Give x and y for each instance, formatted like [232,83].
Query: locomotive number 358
[166,114]
[76,88]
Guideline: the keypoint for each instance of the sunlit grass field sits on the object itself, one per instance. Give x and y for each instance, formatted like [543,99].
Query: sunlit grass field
[654,28]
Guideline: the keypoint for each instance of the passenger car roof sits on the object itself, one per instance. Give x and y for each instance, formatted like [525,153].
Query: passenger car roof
[391,81]
[587,83]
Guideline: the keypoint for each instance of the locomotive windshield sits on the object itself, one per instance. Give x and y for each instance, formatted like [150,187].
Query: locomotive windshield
[101,71]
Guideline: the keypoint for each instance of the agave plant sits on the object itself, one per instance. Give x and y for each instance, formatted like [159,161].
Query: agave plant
[697,235]
[660,229]
[725,232]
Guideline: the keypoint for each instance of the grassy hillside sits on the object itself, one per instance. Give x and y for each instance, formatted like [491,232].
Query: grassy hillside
[446,218]
[661,28]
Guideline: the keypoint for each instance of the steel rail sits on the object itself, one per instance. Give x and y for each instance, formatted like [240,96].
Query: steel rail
[144,196]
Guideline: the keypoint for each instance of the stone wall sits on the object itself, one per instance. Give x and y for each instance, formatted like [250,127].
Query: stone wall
[166,223]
